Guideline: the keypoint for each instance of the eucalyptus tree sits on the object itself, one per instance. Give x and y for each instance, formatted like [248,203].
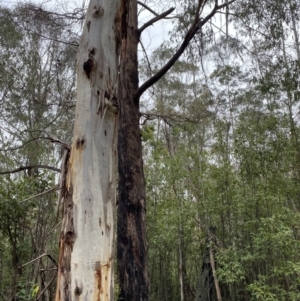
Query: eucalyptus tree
[263,185]
[37,95]
[175,161]
[108,87]
[251,188]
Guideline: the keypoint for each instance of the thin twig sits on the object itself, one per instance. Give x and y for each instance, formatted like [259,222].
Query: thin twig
[213,268]
[55,227]
[42,193]
[151,10]
[147,58]
[49,283]
[64,16]
[29,167]
[171,117]
[41,256]
[49,269]
[53,140]
[46,37]
[18,147]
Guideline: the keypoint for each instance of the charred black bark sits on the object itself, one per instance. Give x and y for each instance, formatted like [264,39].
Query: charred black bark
[206,281]
[131,230]
[205,287]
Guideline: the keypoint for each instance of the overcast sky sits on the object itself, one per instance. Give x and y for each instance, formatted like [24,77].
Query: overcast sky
[152,37]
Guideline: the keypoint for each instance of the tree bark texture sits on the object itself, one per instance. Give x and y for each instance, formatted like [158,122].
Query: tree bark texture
[131,242]
[212,245]
[205,291]
[89,186]
[206,281]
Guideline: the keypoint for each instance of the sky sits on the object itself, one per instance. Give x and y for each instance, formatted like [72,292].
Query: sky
[152,37]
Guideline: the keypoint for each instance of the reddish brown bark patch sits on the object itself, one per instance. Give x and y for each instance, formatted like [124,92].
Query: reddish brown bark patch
[101,277]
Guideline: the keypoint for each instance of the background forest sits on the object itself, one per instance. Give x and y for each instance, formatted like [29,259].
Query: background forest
[221,141]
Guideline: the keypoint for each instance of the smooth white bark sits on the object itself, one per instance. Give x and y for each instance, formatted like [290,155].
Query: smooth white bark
[92,165]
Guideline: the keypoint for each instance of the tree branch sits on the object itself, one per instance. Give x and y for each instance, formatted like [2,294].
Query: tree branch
[47,37]
[53,140]
[29,167]
[63,16]
[188,37]
[147,58]
[46,287]
[213,268]
[18,147]
[155,19]
[149,9]
[42,193]
[173,117]
[35,259]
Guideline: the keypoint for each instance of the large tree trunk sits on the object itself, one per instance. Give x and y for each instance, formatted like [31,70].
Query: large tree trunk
[132,243]
[89,188]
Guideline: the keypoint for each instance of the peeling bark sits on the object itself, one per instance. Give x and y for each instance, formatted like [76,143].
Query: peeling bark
[89,190]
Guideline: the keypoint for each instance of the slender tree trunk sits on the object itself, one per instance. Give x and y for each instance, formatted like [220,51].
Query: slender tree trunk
[132,243]
[294,27]
[213,267]
[182,261]
[182,269]
[212,244]
[89,187]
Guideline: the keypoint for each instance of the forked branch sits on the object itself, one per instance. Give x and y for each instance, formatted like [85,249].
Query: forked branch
[197,24]
[149,9]
[155,19]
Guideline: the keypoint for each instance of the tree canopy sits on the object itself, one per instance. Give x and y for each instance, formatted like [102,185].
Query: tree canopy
[221,152]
